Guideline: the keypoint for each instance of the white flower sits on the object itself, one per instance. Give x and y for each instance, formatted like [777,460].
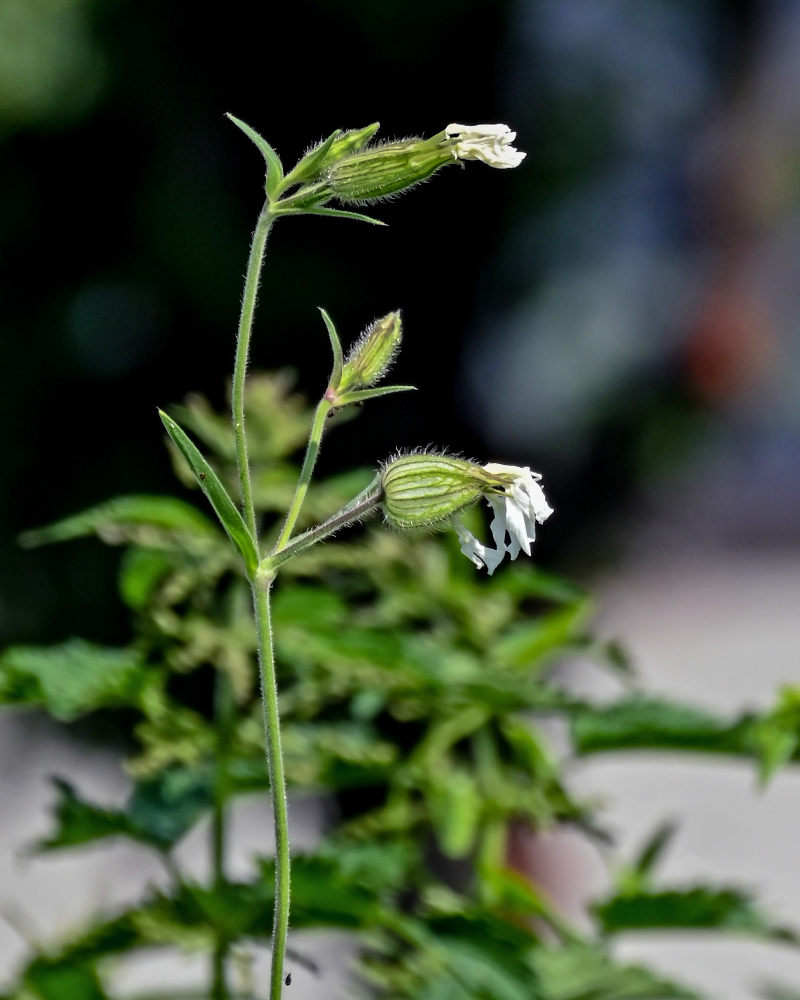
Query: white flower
[517,510]
[489,143]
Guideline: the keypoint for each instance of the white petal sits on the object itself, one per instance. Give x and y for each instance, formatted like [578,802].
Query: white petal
[517,526]
[498,525]
[489,143]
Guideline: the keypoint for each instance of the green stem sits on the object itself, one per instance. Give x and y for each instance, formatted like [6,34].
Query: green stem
[262,584]
[254,264]
[312,450]
[347,515]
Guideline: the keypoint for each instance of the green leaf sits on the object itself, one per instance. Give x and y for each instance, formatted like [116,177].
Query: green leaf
[274,165]
[142,571]
[339,213]
[158,813]
[71,679]
[699,908]
[532,641]
[147,519]
[656,724]
[80,822]
[362,395]
[455,806]
[583,972]
[55,980]
[217,496]
[336,347]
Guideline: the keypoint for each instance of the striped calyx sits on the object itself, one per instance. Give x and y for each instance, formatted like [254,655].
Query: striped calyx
[423,490]
[383,170]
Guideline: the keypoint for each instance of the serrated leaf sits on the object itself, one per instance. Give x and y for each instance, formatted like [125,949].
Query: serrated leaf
[700,907]
[274,165]
[121,520]
[215,492]
[158,813]
[71,679]
[652,723]
[79,821]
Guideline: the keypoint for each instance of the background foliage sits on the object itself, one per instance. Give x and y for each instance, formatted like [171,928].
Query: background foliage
[410,690]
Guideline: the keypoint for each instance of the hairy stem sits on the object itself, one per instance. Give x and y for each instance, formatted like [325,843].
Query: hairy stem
[262,585]
[254,264]
[365,504]
[312,450]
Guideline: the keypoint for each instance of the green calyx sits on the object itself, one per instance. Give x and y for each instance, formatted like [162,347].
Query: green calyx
[423,490]
[381,171]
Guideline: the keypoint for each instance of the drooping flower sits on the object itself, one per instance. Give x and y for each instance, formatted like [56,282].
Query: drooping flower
[517,510]
[491,144]
[426,491]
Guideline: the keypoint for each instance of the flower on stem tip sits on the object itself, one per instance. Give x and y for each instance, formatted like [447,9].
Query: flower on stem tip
[491,144]
[423,490]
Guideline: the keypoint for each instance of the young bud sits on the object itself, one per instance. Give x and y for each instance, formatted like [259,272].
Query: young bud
[380,171]
[350,142]
[423,490]
[372,354]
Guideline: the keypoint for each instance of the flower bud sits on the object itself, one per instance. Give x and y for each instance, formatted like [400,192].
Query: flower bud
[349,142]
[422,490]
[384,170]
[372,354]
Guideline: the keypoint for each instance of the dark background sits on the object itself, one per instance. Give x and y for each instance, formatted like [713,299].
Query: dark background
[619,312]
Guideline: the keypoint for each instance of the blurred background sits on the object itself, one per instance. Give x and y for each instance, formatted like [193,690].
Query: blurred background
[622,313]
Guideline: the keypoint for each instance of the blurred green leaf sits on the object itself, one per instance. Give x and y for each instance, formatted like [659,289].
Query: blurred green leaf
[531,641]
[585,972]
[656,724]
[155,521]
[142,571]
[158,813]
[58,980]
[455,806]
[71,679]
[700,908]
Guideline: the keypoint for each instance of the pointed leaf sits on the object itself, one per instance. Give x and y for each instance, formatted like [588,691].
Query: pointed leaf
[274,165]
[361,395]
[336,347]
[210,484]
[342,214]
